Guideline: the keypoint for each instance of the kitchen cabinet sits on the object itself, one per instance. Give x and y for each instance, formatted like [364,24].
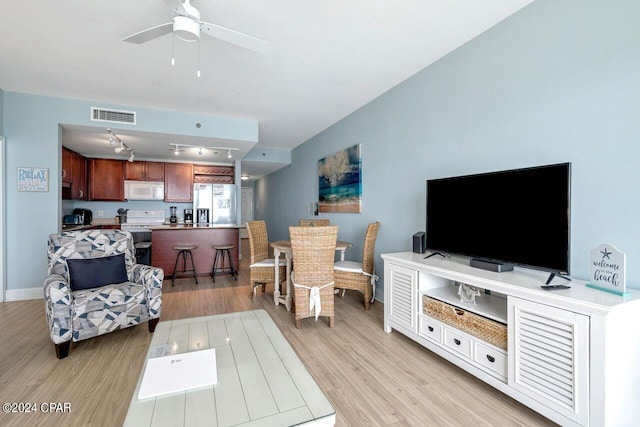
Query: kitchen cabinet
[155,171]
[106,179]
[144,171]
[78,177]
[67,165]
[178,182]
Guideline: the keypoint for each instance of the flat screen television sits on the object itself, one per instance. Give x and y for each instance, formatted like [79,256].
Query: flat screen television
[513,217]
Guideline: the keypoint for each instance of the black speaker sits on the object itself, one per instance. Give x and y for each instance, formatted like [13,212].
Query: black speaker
[498,267]
[419,242]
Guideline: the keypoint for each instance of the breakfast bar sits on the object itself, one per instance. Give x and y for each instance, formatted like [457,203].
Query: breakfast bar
[164,237]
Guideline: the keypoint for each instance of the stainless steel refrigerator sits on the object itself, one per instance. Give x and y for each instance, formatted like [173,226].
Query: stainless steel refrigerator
[214,203]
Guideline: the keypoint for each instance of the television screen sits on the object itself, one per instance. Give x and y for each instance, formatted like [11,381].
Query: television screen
[519,217]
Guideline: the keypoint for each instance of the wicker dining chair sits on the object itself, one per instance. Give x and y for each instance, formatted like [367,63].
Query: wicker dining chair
[360,276]
[315,222]
[313,251]
[262,267]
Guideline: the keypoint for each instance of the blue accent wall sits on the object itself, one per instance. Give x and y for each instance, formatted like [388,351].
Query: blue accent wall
[32,131]
[558,81]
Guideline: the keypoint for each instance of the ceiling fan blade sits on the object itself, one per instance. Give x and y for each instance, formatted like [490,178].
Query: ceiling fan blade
[150,33]
[235,37]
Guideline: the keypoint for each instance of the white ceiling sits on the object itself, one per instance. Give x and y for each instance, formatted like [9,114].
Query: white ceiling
[331,58]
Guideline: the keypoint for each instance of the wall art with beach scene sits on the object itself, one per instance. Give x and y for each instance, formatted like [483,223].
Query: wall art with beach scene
[340,181]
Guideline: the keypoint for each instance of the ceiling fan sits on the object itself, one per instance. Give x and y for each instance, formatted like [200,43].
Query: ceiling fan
[187,26]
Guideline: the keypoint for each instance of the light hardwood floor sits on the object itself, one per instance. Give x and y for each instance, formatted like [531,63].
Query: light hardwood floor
[370,377]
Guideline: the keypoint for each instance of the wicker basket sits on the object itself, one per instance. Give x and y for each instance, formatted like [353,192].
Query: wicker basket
[480,327]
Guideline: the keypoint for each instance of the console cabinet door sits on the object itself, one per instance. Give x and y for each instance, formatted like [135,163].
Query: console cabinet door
[401,296]
[549,356]
[178,182]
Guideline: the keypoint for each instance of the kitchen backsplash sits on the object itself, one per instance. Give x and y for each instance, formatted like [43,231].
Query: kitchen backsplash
[109,210]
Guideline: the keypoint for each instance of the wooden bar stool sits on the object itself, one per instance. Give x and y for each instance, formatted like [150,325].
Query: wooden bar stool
[183,251]
[221,252]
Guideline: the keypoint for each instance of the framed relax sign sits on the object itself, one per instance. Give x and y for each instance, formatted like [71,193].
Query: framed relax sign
[33,179]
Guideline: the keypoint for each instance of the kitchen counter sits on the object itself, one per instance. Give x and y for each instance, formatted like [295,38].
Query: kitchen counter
[71,227]
[98,223]
[182,226]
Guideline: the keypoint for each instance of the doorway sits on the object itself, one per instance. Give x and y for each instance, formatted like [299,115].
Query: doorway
[246,211]
[2,244]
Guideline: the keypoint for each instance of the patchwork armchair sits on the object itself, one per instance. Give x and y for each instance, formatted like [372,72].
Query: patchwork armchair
[94,286]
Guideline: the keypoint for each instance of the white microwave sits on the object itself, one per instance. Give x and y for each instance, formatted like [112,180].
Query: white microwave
[143,190]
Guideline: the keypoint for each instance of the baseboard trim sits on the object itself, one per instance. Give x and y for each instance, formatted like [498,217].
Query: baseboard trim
[23,294]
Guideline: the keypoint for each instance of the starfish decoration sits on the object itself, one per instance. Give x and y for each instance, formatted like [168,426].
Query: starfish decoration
[605,254]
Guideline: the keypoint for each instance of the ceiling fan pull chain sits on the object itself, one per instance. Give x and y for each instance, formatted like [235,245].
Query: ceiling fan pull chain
[198,73]
[173,49]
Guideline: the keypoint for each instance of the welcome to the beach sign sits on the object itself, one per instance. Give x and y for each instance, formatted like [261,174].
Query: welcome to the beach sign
[608,269]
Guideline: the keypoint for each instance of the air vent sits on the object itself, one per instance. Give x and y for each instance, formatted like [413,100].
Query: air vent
[113,116]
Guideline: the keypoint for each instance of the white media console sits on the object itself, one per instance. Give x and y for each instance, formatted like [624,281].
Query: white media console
[572,355]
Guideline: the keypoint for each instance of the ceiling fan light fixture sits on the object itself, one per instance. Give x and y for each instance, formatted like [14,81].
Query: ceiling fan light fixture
[186,29]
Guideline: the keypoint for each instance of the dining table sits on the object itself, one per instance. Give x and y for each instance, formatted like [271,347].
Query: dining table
[284,247]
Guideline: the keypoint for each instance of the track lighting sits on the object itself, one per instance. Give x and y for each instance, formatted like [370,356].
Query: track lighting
[118,146]
[177,148]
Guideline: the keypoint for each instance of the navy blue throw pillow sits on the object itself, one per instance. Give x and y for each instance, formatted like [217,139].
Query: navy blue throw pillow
[87,273]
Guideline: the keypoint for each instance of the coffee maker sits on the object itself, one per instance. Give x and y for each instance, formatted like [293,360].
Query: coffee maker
[173,218]
[188,216]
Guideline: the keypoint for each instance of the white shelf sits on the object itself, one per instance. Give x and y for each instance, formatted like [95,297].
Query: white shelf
[489,306]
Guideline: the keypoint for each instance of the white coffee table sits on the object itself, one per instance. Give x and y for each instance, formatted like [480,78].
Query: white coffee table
[261,380]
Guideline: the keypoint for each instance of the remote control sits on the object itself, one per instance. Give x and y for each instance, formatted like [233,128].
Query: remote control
[554,287]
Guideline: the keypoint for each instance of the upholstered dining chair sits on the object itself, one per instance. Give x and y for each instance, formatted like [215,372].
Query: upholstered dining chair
[360,276]
[262,267]
[313,250]
[94,286]
[315,222]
